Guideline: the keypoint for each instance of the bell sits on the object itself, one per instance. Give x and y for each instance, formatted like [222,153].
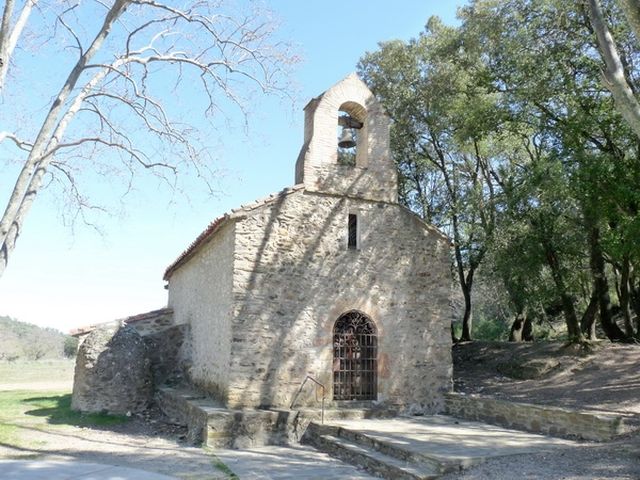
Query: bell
[346,139]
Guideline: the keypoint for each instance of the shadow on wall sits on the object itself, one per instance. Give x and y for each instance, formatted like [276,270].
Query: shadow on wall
[306,277]
[117,369]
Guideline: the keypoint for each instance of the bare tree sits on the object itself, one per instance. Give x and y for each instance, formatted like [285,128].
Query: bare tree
[106,107]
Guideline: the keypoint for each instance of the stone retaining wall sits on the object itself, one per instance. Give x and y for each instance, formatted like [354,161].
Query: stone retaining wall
[547,420]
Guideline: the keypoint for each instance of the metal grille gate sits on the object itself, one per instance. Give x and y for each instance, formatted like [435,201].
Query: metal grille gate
[355,353]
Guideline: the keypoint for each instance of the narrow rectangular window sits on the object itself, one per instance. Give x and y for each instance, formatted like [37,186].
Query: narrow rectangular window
[353,231]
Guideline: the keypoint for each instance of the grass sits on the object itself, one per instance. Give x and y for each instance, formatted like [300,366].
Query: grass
[220,466]
[21,409]
[36,371]
[26,409]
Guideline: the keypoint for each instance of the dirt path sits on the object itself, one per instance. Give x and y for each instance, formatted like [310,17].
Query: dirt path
[549,373]
[134,445]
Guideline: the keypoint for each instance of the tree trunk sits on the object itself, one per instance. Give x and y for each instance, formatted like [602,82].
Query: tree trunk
[588,320]
[625,302]
[29,180]
[571,319]
[634,300]
[515,335]
[9,35]
[527,330]
[601,288]
[614,76]
[467,319]
[631,9]
[522,327]
[5,35]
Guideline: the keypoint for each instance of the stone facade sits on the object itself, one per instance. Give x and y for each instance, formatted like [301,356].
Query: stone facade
[120,363]
[263,287]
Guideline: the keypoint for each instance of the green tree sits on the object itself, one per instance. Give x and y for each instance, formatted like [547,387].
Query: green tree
[443,140]
[506,138]
[544,60]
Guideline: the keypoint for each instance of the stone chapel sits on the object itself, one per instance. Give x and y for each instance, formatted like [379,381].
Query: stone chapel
[330,278]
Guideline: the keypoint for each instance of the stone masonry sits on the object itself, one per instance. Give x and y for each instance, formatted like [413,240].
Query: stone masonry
[262,287]
[113,372]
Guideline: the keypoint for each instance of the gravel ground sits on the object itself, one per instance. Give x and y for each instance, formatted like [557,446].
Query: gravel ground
[153,454]
[611,462]
[154,446]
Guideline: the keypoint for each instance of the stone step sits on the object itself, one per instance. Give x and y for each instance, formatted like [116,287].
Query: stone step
[371,459]
[331,414]
[437,464]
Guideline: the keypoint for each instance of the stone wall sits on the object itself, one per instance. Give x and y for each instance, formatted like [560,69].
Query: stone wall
[164,352]
[294,276]
[200,295]
[535,418]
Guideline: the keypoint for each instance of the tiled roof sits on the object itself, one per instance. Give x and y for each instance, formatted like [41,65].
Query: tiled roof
[76,332]
[200,240]
[215,225]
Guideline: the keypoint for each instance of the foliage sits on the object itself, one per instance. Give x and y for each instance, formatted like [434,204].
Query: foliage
[70,347]
[24,341]
[490,329]
[442,139]
[506,138]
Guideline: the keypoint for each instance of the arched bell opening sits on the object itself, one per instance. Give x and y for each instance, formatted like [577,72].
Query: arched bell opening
[355,357]
[350,133]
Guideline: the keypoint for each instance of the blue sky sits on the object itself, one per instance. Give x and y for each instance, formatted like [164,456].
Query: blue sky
[64,278]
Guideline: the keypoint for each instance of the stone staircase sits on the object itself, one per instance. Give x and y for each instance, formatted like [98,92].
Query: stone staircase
[400,448]
[209,423]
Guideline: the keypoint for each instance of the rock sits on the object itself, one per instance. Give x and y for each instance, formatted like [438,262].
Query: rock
[113,373]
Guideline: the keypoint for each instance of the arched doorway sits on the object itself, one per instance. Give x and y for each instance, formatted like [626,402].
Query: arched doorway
[355,353]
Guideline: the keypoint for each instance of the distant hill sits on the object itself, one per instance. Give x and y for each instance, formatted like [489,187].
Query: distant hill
[25,341]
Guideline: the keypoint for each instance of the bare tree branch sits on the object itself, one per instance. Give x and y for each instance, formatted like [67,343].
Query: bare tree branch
[21,144]
[9,35]
[109,105]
